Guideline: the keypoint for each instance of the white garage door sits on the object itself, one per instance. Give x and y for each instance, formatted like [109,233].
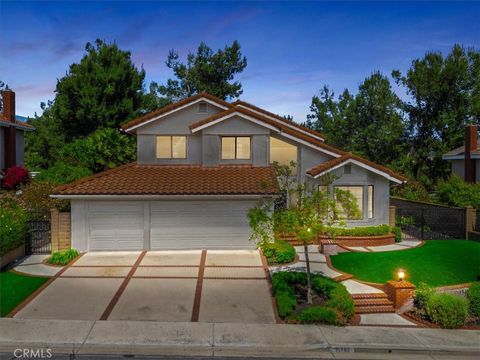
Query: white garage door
[115,226]
[200,225]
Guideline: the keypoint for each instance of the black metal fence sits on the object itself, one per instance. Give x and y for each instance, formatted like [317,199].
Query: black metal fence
[426,221]
[38,239]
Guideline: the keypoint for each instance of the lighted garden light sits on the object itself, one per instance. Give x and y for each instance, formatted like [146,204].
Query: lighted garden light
[401,274]
[309,230]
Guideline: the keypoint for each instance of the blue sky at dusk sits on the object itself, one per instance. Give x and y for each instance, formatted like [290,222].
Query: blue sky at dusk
[293,48]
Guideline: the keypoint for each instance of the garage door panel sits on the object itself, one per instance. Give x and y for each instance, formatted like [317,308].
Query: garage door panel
[115,226]
[200,224]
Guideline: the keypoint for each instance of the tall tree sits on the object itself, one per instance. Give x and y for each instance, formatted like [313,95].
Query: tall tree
[43,146]
[444,97]
[103,90]
[205,71]
[368,123]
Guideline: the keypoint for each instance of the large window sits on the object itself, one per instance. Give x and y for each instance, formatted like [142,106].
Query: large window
[236,148]
[171,147]
[350,201]
[282,152]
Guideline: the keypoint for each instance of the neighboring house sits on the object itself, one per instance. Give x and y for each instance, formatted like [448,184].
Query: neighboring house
[12,131]
[202,163]
[465,160]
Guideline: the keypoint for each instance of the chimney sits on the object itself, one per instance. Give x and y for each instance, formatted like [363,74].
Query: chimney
[8,97]
[470,145]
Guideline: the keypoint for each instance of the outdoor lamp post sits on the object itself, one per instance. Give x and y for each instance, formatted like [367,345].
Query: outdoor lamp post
[401,274]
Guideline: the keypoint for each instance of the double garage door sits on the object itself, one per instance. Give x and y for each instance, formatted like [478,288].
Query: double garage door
[167,225]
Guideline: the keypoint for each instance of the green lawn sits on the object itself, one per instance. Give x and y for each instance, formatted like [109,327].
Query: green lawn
[437,263]
[14,288]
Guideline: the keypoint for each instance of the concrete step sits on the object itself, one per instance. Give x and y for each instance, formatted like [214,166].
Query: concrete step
[372,302]
[374,309]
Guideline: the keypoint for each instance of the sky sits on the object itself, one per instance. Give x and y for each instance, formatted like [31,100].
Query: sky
[293,48]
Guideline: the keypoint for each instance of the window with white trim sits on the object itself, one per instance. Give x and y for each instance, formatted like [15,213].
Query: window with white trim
[352,197]
[371,208]
[171,147]
[236,148]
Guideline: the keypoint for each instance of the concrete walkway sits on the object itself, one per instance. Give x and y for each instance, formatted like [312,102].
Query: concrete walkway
[403,245]
[33,265]
[227,339]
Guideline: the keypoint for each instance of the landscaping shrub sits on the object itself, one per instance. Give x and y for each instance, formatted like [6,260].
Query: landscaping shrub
[422,294]
[338,299]
[447,310]
[319,314]
[398,233]
[341,300]
[473,296]
[63,257]
[360,231]
[457,192]
[14,177]
[13,225]
[278,252]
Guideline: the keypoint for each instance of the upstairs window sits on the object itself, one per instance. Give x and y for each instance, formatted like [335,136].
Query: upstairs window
[282,152]
[236,148]
[171,147]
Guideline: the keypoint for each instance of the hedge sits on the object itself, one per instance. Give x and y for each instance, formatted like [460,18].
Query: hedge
[338,310]
[278,252]
[448,310]
[360,231]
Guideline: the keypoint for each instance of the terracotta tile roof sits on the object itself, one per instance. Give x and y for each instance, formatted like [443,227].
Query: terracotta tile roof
[282,127]
[319,169]
[287,121]
[171,107]
[135,179]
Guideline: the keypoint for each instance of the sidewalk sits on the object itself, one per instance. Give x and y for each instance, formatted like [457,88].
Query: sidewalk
[225,339]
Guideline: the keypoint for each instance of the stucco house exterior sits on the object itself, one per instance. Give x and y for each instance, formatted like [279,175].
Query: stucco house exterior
[12,132]
[202,163]
[465,160]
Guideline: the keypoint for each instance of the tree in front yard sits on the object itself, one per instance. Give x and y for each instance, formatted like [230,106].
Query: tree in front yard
[309,211]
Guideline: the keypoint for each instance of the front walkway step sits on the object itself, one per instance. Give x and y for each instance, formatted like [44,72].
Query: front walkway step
[374,309]
[372,302]
[369,296]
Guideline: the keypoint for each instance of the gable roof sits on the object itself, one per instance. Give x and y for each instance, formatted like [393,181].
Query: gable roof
[459,153]
[287,122]
[136,179]
[281,127]
[142,120]
[333,164]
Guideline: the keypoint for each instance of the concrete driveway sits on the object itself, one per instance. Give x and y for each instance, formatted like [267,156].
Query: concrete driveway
[205,286]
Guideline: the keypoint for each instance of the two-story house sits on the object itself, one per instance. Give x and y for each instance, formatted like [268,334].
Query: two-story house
[202,163]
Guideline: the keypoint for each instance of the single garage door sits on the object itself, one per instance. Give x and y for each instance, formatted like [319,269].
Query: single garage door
[115,225]
[200,225]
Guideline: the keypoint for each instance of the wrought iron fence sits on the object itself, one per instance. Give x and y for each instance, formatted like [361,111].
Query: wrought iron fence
[426,221]
[38,238]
